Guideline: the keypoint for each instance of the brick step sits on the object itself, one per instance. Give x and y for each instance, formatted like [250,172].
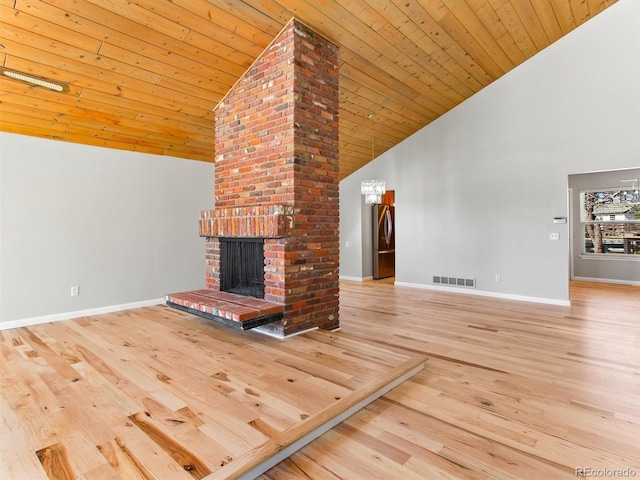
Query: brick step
[234,310]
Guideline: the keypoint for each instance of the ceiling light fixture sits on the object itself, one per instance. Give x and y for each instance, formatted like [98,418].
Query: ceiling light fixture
[40,82]
[372,189]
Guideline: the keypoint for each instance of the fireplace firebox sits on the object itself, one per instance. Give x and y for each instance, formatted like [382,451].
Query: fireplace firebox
[242,266]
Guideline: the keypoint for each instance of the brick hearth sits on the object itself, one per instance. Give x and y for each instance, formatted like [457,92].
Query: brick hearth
[237,311]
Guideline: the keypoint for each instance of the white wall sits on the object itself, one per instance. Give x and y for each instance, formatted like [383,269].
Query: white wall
[353,253]
[122,226]
[476,190]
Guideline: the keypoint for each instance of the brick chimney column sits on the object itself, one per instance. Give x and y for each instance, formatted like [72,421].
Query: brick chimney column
[277,150]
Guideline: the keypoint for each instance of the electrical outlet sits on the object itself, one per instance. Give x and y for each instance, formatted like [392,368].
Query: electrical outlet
[75,291]
[554,236]
[346,244]
[498,277]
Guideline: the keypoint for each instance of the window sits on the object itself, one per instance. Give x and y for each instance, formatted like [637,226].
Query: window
[611,222]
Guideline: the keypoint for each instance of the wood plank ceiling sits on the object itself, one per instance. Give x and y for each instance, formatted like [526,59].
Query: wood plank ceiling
[146,75]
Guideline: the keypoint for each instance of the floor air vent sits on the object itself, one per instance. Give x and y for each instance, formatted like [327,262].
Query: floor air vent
[455,282]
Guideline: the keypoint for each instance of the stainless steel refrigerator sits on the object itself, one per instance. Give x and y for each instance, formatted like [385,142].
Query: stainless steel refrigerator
[384,242]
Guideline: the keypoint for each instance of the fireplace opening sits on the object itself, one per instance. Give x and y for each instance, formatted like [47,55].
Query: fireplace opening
[242,266]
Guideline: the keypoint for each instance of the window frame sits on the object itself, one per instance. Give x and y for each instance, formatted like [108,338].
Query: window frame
[583,224]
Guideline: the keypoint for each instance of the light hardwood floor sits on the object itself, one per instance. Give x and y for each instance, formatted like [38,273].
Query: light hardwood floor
[511,390]
[160,393]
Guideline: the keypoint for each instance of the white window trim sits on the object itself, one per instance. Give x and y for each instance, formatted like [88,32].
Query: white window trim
[620,257]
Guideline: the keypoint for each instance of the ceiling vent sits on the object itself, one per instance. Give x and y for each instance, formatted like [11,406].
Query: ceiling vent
[37,81]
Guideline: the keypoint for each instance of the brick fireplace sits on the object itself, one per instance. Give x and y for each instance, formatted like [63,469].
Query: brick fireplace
[276,177]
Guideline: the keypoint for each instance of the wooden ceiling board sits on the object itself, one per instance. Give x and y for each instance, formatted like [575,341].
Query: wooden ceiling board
[564,14]
[163,115]
[580,11]
[146,75]
[506,47]
[473,21]
[516,29]
[119,31]
[533,26]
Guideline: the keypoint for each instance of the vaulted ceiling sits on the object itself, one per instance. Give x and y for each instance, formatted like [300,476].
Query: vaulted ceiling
[146,75]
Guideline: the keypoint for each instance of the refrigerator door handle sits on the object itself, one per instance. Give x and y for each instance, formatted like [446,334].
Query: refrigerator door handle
[388,227]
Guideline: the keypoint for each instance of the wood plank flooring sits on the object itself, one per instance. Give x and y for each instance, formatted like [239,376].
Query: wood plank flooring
[511,390]
[156,393]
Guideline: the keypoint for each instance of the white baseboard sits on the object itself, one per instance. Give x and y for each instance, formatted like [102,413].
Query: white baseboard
[482,293]
[607,280]
[56,317]
[355,279]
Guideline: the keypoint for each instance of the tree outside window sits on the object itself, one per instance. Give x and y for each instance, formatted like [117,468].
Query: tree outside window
[611,220]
